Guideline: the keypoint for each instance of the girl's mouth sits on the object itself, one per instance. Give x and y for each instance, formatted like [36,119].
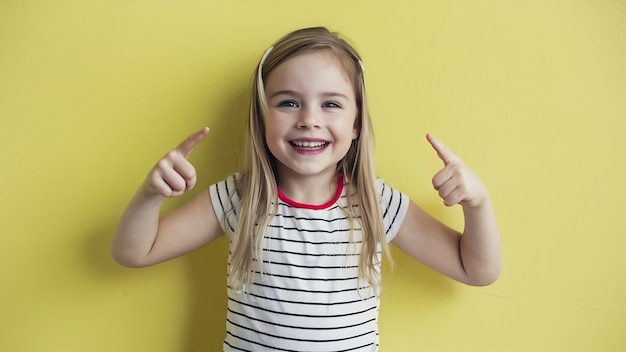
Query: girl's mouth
[309,145]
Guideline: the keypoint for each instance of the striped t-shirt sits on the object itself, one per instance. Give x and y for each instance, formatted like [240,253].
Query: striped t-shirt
[309,298]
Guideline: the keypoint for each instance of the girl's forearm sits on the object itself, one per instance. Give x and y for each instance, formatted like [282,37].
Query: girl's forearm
[480,244]
[137,229]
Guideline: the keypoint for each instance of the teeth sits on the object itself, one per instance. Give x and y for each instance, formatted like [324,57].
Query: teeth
[308,144]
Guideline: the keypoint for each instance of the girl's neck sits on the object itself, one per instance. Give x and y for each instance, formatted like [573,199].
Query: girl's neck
[313,190]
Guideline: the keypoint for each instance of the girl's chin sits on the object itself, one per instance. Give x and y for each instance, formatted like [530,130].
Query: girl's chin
[303,171]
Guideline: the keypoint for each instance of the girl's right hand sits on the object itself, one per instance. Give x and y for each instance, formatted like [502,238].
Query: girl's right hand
[173,175]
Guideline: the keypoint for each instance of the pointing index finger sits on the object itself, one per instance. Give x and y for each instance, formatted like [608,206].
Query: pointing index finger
[442,151]
[186,147]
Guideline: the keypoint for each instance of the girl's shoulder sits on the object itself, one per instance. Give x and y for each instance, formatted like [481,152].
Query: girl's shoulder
[386,192]
[226,188]
[225,201]
[394,206]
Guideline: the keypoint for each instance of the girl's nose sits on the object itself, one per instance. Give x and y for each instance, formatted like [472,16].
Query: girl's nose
[308,118]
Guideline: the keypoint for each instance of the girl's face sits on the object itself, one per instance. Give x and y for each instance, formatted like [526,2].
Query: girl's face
[312,112]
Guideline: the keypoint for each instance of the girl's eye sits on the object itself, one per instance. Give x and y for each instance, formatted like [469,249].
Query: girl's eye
[288,104]
[331,105]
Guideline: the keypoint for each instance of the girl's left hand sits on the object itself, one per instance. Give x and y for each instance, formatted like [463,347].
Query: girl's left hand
[456,183]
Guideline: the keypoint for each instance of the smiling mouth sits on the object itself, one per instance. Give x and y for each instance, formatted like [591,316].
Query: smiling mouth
[308,144]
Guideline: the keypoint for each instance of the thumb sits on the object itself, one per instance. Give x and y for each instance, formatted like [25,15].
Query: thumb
[186,147]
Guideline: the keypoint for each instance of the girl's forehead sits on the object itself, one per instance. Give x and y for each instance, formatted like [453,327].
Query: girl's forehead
[314,61]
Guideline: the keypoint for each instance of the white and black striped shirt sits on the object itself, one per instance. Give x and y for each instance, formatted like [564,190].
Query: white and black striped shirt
[309,298]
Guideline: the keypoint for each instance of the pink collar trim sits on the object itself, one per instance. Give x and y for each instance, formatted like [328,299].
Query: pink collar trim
[295,204]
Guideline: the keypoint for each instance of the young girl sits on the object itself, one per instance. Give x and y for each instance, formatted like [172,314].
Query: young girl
[306,218]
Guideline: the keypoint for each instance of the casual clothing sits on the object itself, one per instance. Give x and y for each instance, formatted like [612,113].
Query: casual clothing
[307,298]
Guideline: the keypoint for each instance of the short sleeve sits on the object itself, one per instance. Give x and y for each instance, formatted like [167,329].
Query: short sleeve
[225,202]
[394,206]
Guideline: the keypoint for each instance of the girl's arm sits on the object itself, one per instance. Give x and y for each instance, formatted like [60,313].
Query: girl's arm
[472,257]
[142,238]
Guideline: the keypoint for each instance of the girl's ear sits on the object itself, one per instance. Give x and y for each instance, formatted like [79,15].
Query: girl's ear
[356,127]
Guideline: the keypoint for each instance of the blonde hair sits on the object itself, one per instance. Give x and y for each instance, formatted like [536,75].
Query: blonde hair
[257,185]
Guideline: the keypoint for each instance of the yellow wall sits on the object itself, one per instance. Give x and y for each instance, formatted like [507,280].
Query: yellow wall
[532,94]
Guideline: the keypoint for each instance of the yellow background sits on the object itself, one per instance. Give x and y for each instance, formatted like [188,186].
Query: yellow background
[531,94]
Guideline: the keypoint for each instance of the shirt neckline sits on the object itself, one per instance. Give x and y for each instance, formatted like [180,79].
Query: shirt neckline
[295,204]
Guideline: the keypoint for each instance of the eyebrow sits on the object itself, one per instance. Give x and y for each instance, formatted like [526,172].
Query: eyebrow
[325,94]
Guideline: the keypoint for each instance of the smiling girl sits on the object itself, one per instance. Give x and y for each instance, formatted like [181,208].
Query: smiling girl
[307,219]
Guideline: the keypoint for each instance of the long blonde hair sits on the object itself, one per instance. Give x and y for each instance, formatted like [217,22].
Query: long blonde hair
[257,185]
